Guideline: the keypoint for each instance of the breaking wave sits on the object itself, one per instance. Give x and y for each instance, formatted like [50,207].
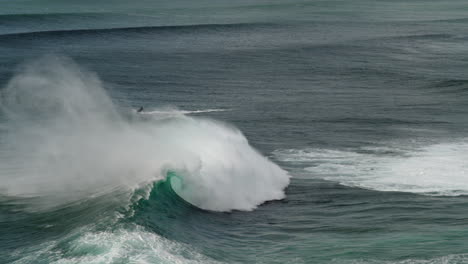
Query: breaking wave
[67,141]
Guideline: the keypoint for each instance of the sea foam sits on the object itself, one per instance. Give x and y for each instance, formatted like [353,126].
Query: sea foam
[437,169]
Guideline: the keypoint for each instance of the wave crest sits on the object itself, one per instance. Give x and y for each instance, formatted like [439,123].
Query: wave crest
[68,141]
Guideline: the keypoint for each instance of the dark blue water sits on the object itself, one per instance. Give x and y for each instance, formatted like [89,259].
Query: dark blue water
[362,103]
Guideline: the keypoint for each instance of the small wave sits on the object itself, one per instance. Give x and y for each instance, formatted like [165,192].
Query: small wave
[450,20]
[142,29]
[454,86]
[379,120]
[22,16]
[439,169]
[433,36]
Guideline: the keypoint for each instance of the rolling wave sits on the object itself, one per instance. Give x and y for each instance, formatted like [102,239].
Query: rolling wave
[34,17]
[141,29]
[454,86]
[377,120]
[72,143]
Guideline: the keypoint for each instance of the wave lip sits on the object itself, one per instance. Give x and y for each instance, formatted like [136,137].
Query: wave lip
[221,172]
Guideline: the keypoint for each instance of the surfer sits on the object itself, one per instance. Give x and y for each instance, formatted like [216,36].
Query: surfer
[140,109]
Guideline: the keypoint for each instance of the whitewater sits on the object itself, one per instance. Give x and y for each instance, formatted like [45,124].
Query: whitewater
[69,142]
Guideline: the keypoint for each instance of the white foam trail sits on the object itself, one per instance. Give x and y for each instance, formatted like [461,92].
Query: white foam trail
[120,246]
[180,112]
[69,142]
[439,169]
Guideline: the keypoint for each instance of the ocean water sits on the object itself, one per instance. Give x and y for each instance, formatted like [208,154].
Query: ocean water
[272,132]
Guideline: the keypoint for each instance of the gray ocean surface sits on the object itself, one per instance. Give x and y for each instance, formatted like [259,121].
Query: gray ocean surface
[272,131]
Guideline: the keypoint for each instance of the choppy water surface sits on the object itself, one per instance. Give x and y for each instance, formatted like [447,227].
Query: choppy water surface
[273,132]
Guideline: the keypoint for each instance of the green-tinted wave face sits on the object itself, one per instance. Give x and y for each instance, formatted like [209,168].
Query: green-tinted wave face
[174,181]
[164,196]
[164,211]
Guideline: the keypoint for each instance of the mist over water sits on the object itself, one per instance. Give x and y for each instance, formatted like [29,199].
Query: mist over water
[70,142]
